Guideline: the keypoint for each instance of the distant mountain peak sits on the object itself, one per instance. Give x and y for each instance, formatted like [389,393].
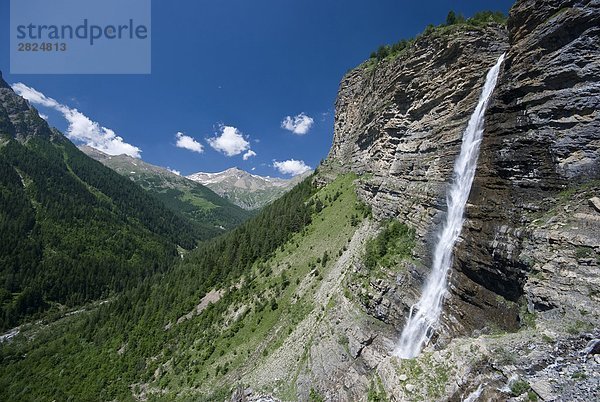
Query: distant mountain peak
[199,203]
[250,191]
[94,152]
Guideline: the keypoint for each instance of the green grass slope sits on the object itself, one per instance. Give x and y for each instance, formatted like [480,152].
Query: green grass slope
[160,341]
[212,213]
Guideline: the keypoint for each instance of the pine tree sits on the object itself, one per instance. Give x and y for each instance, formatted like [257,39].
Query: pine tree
[451,18]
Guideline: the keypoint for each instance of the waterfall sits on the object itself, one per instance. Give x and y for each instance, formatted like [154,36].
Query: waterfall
[426,312]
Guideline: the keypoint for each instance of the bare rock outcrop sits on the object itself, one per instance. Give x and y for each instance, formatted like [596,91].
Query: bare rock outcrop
[401,122]
[520,321]
[540,150]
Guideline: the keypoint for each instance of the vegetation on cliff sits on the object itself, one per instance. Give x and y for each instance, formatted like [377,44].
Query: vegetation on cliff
[453,21]
[395,242]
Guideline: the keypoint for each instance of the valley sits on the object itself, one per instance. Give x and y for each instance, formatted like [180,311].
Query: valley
[186,197]
[446,249]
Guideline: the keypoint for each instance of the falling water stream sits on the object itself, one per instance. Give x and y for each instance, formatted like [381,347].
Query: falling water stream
[425,313]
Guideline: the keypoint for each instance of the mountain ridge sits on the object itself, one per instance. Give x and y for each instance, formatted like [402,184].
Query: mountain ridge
[192,199]
[316,288]
[245,189]
[72,230]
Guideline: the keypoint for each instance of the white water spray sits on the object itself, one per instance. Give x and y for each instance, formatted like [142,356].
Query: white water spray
[425,313]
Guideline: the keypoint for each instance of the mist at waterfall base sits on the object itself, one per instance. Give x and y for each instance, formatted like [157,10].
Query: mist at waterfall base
[425,314]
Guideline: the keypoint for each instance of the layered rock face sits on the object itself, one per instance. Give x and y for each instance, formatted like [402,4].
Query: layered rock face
[521,318]
[542,137]
[403,121]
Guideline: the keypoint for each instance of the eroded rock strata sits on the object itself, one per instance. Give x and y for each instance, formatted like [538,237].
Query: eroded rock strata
[527,261]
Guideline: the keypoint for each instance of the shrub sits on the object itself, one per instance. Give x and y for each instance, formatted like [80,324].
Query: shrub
[519,387]
[481,18]
[429,29]
[453,18]
[485,17]
[314,396]
[383,52]
[395,241]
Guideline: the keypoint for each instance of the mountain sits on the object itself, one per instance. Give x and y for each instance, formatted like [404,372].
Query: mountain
[521,285]
[307,299]
[199,204]
[247,190]
[71,229]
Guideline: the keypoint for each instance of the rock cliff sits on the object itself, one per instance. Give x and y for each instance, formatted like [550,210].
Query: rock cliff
[402,121]
[527,260]
[17,118]
[539,154]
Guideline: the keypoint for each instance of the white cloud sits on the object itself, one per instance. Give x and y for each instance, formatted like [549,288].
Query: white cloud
[299,124]
[43,116]
[189,143]
[81,128]
[174,171]
[35,96]
[231,141]
[292,167]
[250,153]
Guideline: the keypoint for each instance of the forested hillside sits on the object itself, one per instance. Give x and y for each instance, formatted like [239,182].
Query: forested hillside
[212,214]
[71,230]
[117,341]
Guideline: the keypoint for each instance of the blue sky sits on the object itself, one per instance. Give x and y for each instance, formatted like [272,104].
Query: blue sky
[237,67]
